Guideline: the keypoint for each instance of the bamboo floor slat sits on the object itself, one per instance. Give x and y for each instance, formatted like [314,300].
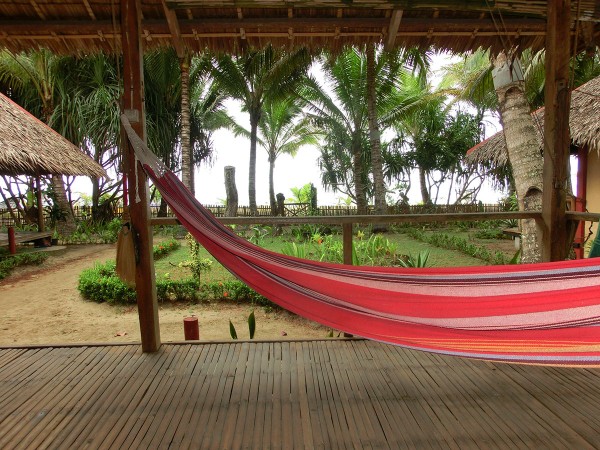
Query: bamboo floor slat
[330,394]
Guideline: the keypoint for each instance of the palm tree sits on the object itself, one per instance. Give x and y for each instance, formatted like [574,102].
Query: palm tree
[39,81]
[472,80]
[187,165]
[374,133]
[253,78]
[98,88]
[207,111]
[364,102]
[343,117]
[383,69]
[282,132]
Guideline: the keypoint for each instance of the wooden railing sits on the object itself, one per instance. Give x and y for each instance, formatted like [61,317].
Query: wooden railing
[291,209]
[347,222]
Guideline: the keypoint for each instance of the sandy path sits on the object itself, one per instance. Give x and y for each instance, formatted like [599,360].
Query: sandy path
[41,305]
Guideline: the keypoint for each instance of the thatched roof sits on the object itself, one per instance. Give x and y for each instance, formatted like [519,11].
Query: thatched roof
[584,123]
[30,147]
[72,26]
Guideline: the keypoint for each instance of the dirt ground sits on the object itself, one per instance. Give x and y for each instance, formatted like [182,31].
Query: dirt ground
[41,305]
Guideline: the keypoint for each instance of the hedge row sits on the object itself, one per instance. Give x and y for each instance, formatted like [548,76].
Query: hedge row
[101,284]
[8,263]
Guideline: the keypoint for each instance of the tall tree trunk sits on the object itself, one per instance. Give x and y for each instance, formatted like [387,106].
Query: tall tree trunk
[65,224]
[425,196]
[376,159]
[524,156]
[254,119]
[231,192]
[359,186]
[272,199]
[187,159]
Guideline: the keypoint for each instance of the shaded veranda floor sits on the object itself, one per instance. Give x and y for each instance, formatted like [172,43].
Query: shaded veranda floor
[305,394]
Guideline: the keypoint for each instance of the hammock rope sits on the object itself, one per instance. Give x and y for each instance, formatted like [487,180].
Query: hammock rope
[544,313]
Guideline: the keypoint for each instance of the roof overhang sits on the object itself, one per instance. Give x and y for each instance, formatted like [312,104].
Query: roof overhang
[73,26]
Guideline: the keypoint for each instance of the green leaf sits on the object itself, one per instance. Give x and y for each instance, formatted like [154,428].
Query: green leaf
[355,261]
[251,324]
[232,331]
[516,258]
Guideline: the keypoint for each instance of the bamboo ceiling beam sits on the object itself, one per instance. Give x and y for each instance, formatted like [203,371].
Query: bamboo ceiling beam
[89,10]
[393,29]
[37,9]
[186,25]
[173,24]
[282,34]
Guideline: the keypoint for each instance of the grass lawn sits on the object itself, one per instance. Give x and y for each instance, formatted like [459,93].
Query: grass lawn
[405,245]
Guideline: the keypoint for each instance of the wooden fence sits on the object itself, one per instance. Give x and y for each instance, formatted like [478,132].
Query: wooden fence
[291,210]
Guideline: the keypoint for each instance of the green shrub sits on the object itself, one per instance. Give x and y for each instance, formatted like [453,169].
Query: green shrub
[457,243]
[162,249]
[8,263]
[177,290]
[493,233]
[101,284]
[233,290]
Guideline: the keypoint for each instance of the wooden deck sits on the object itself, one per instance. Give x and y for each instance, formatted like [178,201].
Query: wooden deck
[309,394]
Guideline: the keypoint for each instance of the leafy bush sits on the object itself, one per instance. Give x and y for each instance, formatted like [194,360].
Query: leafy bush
[196,264]
[419,260]
[233,290]
[493,233]
[164,248]
[177,290]
[8,263]
[460,244]
[101,284]
[88,232]
[376,250]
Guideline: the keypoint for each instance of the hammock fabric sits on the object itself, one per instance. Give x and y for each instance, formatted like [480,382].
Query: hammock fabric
[544,313]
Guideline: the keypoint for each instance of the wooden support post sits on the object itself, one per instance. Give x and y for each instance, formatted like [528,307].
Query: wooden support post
[347,249]
[581,199]
[347,242]
[12,242]
[556,130]
[40,204]
[133,101]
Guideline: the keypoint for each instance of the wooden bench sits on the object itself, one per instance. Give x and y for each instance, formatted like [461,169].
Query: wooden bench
[26,236]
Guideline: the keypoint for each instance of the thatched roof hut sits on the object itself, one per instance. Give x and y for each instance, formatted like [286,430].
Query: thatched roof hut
[584,123]
[30,147]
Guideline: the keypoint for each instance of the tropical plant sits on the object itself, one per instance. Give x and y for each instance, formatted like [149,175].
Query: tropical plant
[98,88]
[251,327]
[163,90]
[196,264]
[255,77]
[515,103]
[353,116]
[283,131]
[419,260]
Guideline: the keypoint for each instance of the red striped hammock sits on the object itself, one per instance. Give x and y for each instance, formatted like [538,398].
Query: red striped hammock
[535,313]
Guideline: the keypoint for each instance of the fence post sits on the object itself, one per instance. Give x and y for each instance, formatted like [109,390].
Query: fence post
[347,242]
[12,244]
